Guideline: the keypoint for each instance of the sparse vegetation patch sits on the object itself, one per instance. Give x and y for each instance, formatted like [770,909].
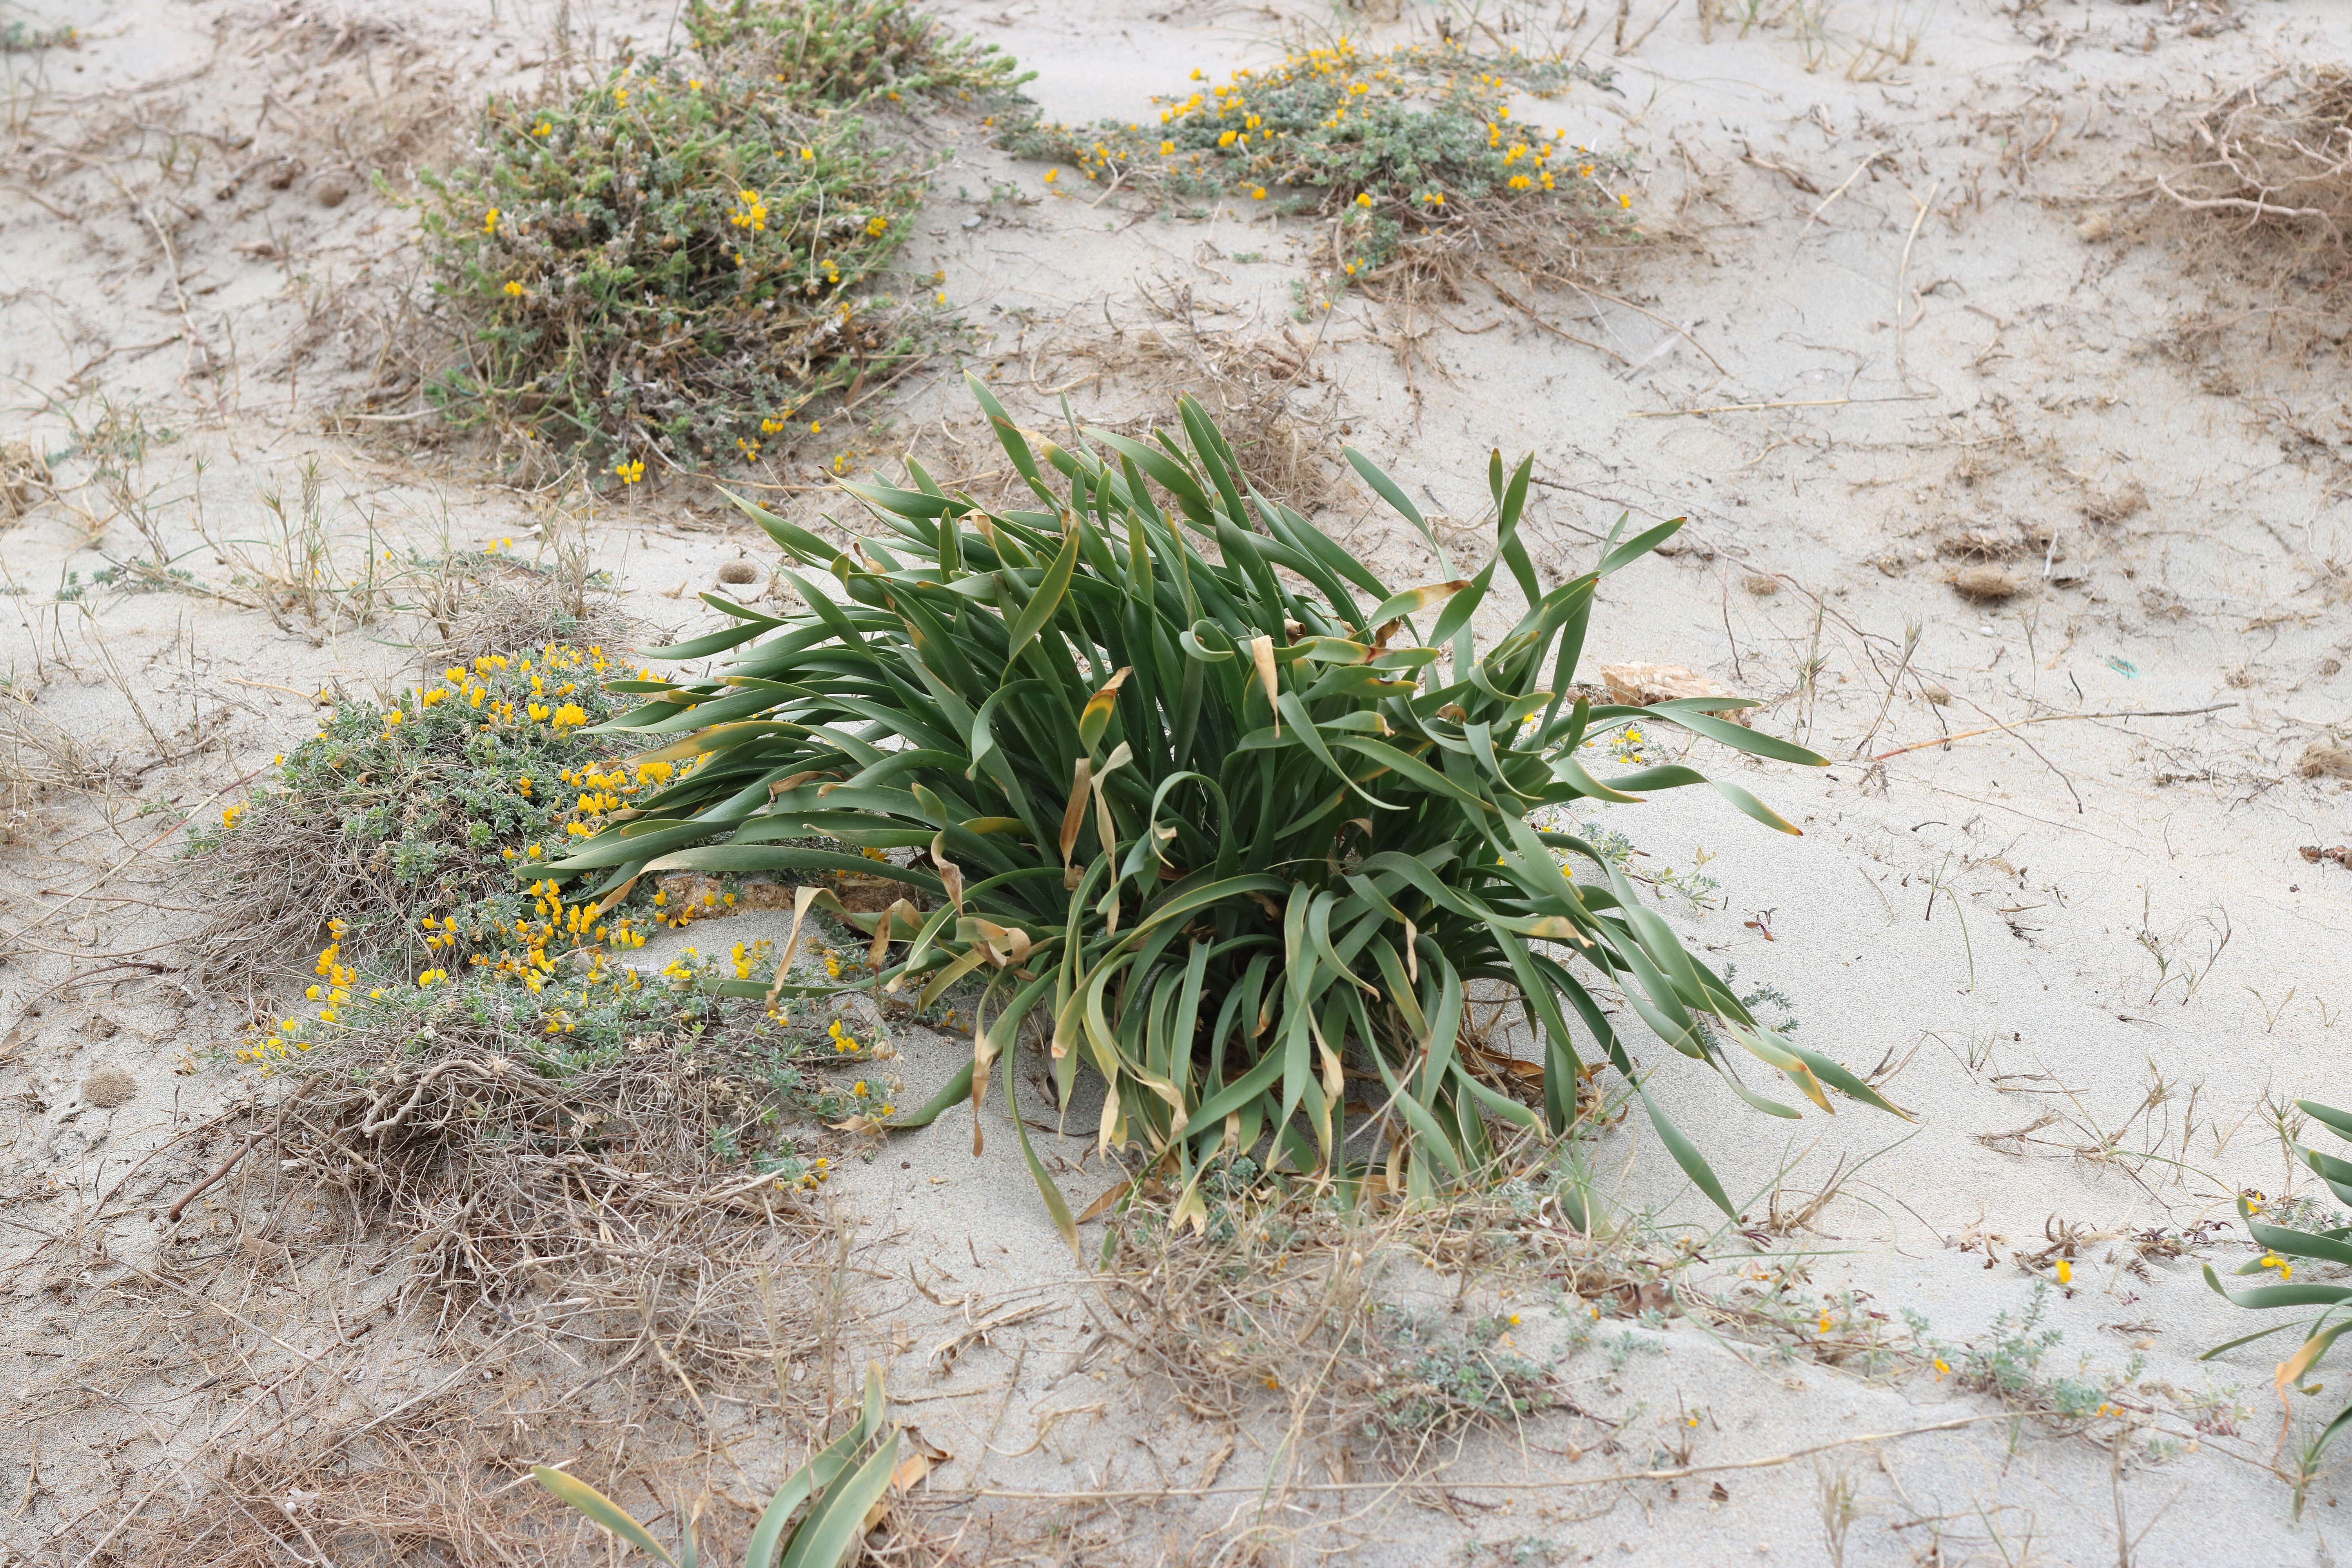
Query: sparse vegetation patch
[2269,182]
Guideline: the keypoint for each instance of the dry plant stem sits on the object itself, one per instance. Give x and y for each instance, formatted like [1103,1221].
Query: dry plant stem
[1748,407]
[1679,332]
[126,863]
[1566,1483]
[1842,186]
[1910,645]
[1528,310]
[1902,279]
[211,1177]
[2049,719]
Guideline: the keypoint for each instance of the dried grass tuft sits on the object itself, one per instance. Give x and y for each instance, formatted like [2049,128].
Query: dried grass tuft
[434,1485]
[2326,760]
[1261,385]
[525,609]
[24,480]
[2268,194]
[1355,1321]
[631,1197]
[108,1088]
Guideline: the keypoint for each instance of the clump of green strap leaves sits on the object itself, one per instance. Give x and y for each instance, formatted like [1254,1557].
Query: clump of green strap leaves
[2283,1243]
[816,1519]
[1219,823]
[677,260]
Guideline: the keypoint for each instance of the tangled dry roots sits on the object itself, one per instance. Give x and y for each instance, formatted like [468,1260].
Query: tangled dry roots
[595,1207]
[2273,165]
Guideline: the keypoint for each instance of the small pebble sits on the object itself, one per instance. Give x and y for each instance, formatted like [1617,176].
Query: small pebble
[1988,583]
[331,192]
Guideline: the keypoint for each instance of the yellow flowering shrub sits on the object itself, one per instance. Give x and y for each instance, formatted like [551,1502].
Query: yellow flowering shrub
[419,824]
[1396,143]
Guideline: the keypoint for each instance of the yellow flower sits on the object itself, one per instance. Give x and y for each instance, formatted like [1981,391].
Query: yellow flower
[1167,149]
[2065,1272]
[1224,141]
[490,221]
[1942,1366]
[1363,198]
[1624,200]
[1050,174]
[514,290]
[631,470]
[815,428]
[1257,193]
[875,224]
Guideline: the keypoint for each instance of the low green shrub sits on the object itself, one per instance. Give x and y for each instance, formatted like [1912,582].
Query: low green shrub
[672,264]
[1231,829]
[842,52]
[1406,149]
[2281,1245]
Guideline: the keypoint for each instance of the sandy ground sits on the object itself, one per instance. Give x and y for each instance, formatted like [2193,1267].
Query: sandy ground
[1887,304]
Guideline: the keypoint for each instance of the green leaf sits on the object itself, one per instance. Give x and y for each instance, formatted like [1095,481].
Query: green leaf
[1687,1156]
[1040,610]
[600,1508]
[835,1526]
